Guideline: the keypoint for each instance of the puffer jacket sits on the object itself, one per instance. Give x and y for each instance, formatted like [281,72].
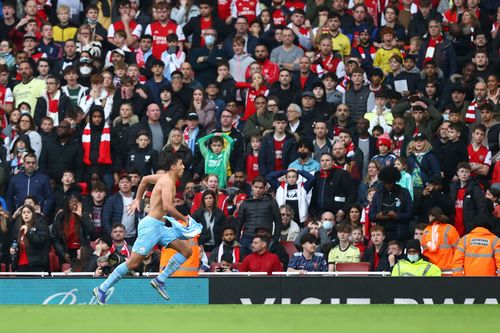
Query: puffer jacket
[261,212]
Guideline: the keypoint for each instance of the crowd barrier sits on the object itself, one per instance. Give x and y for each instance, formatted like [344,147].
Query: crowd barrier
[254,288]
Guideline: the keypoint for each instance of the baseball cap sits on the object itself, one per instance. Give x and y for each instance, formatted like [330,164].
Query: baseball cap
[119,51]
[193,116]
[419,137]
[307,93]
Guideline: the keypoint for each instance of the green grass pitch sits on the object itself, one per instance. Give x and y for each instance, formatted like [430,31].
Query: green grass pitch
[250,318]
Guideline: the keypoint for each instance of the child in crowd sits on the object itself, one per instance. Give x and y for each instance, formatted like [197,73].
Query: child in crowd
[64,30]
[405,181]
[479,155]
[357,239]
[143,157]
[345,251]
[377,254]
[217,156]
[419,231]
[380,115]
[384,146]
[172,57]
[365,214]
[387,50]
[454,152]
[252,158]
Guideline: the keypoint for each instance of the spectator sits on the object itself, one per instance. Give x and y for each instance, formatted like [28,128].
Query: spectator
[228,246]
[358,98]
[217,156]
[212,183]
[414,264]
[305,160]
[93,208]
[30,182]
[392,206]
[143,157]
[259,210]
[154,125]
[204,59]
[261,260]
[333,189]
[197,23]
[32,243]
[176,144]
[344,251]
[70,230]
[116,211]
[290,229]
[308,260]
[377,254]
[468,199]
[212,219]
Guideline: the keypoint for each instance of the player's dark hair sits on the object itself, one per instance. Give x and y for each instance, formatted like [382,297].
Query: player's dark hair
[166,161]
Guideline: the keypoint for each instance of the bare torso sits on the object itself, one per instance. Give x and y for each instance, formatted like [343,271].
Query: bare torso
[165,183]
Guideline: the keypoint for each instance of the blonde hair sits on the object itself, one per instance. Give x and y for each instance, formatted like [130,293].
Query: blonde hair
[411,147]
[62,9]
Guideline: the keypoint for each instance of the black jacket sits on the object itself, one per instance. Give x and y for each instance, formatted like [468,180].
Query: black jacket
[474,202]
[145,160]
[58,237]
[206,71]
[38,244]
[383,263]
[418,24]
[397,200]
[57,157]
[262,212]
[41,108]
[267,156]
[312,78]
[434,199]
[143,125]
[218,219]
[333,192]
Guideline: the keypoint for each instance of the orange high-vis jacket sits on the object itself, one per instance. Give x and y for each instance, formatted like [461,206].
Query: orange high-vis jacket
[477,254]
[438,243]
[190,267]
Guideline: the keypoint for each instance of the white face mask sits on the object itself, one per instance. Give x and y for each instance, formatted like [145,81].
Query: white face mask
[85,70]
[327,225]
[210,40]
[413,257]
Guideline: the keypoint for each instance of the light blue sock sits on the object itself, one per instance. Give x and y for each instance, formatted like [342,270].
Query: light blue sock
[175,262]
[115,276]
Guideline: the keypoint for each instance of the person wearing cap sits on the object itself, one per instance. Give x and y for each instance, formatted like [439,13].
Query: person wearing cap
[278,148]
[380,114]
[422,163]
[478,252]
[115,211]
[432,196]
[385,157]
[71,229]
[157,82]
[30,88]
[414,264]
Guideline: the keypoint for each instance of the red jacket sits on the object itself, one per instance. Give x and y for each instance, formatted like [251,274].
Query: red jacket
[270,70]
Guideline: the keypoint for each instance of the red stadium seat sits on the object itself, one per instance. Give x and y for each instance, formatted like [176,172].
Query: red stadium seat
[353,267]
[289,248]
[3,268]
[54,261]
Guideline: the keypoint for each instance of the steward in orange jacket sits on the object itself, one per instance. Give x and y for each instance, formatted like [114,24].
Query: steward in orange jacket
[439,240]
[477,253]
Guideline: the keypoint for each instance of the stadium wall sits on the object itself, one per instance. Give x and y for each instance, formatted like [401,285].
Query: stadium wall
[258,290]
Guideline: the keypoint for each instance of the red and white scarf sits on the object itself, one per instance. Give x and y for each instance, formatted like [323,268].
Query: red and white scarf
[124,251]
[350,149]
[235,252]
[470,115]
[429,53]
[362,52]
[53,107]
[104,145]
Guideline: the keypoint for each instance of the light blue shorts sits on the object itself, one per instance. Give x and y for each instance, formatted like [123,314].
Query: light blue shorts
[151,232]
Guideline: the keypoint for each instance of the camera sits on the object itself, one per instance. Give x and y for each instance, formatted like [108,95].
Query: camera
[113,260]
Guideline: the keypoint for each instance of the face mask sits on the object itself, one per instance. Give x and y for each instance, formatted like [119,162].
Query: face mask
[327,225]
[172,49]
[4,54]
[85,70]
[413,257]
[303,155]
[210,40]
[21,150]
[92,22]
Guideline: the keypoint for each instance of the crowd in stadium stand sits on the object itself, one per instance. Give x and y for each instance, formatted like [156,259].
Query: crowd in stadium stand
[314,133]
